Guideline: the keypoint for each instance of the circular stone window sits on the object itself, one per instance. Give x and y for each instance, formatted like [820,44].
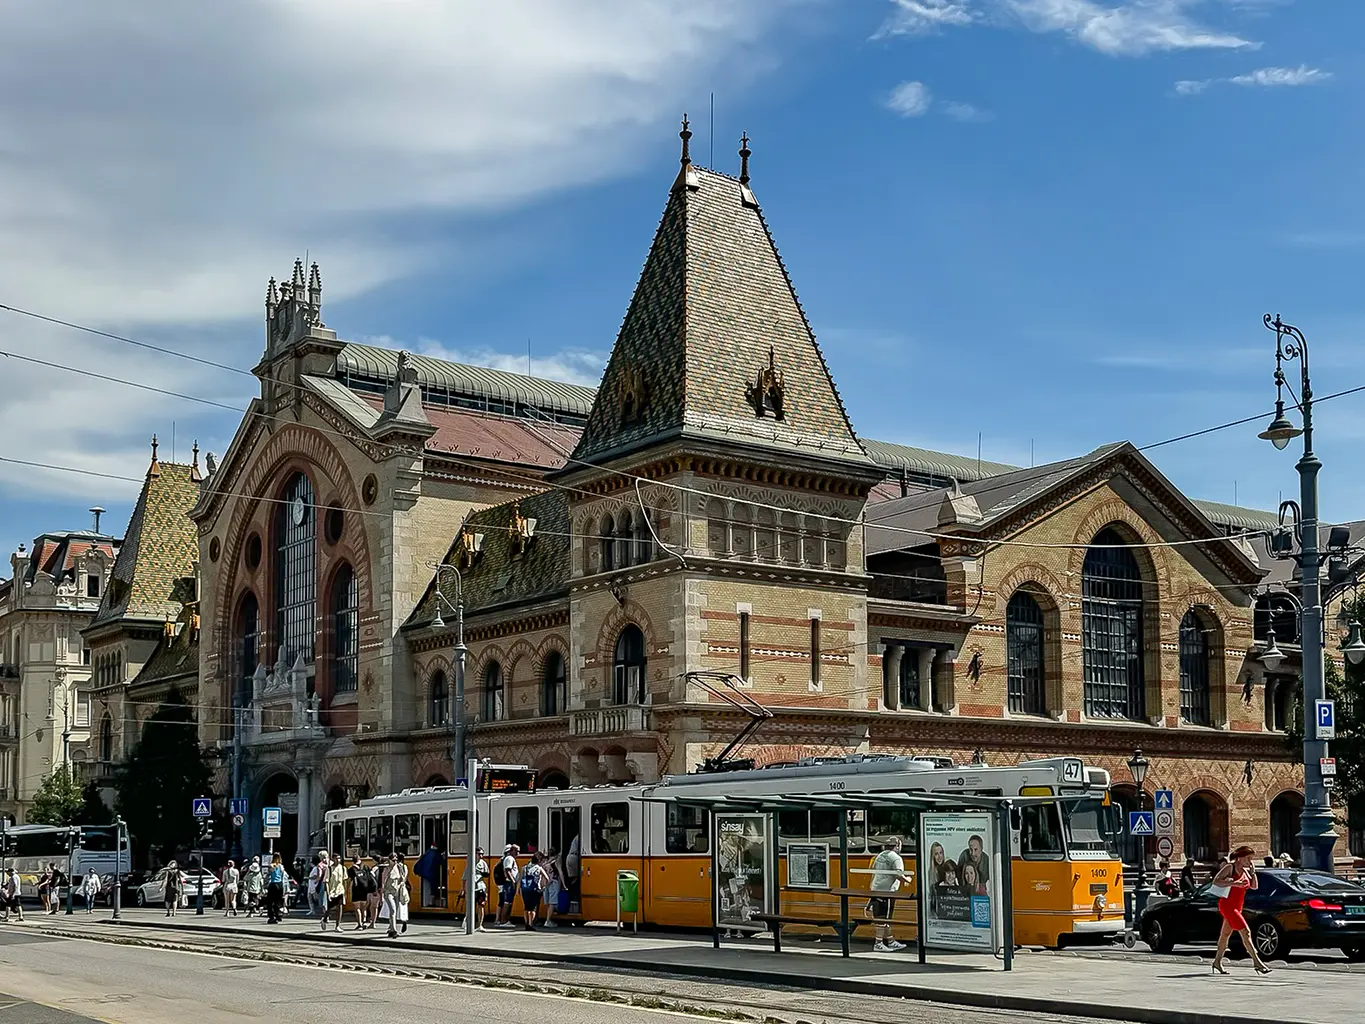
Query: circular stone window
[215,549]
[333,524]
[369,490]
[253,551]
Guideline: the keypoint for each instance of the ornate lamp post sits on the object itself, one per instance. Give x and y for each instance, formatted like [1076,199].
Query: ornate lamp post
[1317,832]
[457,718]
[1138,765]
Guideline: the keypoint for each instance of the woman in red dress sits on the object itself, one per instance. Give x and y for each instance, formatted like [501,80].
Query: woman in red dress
[1237,876]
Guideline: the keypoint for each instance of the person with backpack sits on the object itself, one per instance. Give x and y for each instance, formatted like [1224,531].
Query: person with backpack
[505,874]
[533,881]
[359,877]
[274,890]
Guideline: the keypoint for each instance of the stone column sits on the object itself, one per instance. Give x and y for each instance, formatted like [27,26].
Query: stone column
[926,678]
[305,809]
[891,676]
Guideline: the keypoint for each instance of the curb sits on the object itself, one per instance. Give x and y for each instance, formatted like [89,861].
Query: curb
[850,986]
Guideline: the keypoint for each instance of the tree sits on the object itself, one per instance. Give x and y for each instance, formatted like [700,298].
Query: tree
[160,778]
[58,800]
[93,811]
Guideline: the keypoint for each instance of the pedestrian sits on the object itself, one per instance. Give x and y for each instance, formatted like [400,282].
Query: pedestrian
[480,890]
[173,889]
[505,876]
[1230,885]
[274,890]
[532,885]
[44,886]
[397,893]
[90,888]
[573,872]
[1187,883]
[888,871]
[59,882]
[431,869]
[232,882]
[1166,884]
[374,898]
[253,885]
[549,902]
[355,874]
[10,894]
[336,892]
[317,890]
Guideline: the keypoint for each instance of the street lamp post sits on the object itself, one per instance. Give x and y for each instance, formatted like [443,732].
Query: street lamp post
[1138,765]
[1317,831]
[457,754]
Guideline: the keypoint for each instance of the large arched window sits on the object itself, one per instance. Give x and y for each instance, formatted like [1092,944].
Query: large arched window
[552,685]
[106,738]
[628,667]
[439,713]
[345,631]
[1111,629]
[1024,643]
[492,693]
[1194,670]
[248,648]
[296,570]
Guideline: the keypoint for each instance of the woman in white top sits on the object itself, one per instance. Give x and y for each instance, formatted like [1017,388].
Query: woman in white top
[90,888]
[397,892]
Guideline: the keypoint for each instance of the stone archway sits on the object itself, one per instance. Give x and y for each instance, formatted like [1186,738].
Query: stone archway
[1284,823]
[278,787]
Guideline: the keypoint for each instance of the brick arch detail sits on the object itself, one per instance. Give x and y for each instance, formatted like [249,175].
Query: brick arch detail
[426,672]
[629,613]
[1040,581]
[554,643]
[478,666]
[521,650]
[1274,794]
[1121,515]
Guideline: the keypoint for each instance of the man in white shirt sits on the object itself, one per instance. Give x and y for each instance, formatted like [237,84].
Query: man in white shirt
[888,871]
[507,884]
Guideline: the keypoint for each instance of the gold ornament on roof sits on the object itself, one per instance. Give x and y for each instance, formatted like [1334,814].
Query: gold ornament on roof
[768,391]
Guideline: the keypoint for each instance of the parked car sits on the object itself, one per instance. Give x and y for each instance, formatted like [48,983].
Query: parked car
[1291,908]
[153,892]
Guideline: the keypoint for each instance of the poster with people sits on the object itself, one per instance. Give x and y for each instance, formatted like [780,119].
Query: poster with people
[958,877]
[741,870]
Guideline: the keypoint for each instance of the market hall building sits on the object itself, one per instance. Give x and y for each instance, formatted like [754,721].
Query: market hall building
[710,508]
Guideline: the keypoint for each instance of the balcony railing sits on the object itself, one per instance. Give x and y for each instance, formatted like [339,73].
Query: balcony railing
[614,721]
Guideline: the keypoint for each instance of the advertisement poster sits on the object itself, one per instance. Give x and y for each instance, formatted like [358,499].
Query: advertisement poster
[808,866]
[741,870]
[958,875]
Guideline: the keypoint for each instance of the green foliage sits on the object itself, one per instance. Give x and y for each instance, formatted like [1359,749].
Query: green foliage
[162,774]
[58,800]
[94,811]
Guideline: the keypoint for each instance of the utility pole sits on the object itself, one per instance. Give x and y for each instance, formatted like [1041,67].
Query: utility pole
[66,734]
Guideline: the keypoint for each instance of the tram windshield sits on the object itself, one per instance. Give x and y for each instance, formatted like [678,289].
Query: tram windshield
[1090,826]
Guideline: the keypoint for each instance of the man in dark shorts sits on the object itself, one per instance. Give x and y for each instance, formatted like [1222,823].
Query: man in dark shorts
[888,871]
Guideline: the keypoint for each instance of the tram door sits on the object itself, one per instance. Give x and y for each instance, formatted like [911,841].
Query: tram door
[566,825]
[435,833]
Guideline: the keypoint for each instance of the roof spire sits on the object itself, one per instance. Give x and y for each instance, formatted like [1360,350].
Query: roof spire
[154,469]
[744,154]
[685,135]
[195,475]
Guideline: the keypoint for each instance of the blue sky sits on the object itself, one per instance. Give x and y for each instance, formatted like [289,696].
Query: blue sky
[1049,223]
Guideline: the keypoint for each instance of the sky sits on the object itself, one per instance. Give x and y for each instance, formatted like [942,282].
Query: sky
[1032,226]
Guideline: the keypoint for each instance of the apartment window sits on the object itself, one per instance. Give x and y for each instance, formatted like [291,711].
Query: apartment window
[492,693]
[552,685]
[92,586]
[440,700]
[82,709]
[628,667]
[815,653]
[744,645]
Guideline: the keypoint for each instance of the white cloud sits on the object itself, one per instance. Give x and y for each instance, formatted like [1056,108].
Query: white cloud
[965,112]
[1261,78]
[1129,28]
[575,366]
[910,99]
[1192,87]
[160,159]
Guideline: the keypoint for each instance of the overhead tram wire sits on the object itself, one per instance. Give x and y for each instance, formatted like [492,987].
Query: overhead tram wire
[927,534]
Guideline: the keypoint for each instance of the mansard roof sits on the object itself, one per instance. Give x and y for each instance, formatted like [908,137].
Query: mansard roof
[713,311]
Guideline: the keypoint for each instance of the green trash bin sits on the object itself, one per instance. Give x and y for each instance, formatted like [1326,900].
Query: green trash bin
[627,897]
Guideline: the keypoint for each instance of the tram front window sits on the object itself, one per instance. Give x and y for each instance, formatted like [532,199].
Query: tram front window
[1089,828]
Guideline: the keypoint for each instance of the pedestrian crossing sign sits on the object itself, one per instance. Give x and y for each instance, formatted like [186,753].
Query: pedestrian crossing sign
[1140,823]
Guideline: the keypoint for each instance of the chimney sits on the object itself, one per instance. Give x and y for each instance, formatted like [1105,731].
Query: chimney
[97,512]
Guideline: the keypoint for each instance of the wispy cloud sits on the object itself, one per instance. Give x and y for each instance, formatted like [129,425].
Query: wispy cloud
[1130,28]
[1261,78]
[910,99]
[965,112]
[575,366]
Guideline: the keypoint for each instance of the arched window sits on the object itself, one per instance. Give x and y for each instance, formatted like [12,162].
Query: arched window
[106,738]
[248,648]
[1194,670]
[1111,629]
[552,685]
[1024,643]
[1281,702]
[492,693]
[625,539]
[628,667]
[296,570]
[1284,824]
[644,540]
[717,528]
[607,539]
[345,631]
[439,713]
[742,531]
[1204,817]
[765,534]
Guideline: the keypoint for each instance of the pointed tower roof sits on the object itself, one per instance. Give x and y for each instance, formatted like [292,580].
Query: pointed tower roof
[715,345]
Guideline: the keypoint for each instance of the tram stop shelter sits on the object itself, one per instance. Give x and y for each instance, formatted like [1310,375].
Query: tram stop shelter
[747,882]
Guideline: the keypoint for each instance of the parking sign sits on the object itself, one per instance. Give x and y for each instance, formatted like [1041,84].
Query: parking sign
[1326,719]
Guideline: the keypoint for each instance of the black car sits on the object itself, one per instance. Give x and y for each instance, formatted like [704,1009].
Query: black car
[1290,909]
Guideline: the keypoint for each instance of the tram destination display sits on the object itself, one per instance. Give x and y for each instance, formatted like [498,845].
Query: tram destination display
[497,779]
[959,877]
[808,866]
[741,870]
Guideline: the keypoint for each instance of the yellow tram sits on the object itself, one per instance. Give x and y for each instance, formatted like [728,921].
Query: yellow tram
[1067,879]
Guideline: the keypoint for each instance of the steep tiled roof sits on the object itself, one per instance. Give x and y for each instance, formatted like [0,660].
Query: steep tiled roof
[175,657]
[713,301]
[160,549]
[498,577]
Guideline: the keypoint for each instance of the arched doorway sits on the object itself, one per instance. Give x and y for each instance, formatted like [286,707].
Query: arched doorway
[1284,824]
[281,790]
[1205,820]
[1125,798]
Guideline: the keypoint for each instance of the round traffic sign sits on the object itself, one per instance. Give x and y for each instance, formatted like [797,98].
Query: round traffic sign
[1165,847]
[238,820]
[1165,822]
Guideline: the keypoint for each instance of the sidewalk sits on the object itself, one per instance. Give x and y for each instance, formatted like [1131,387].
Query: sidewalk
[1137,987]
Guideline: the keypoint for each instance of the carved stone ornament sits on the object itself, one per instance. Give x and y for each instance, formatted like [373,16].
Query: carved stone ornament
[767,393]
[630,394]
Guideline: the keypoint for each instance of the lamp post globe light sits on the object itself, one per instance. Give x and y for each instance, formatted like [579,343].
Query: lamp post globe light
[1317,830]
[1138,765]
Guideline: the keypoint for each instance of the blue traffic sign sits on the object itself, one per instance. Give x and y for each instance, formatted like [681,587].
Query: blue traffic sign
[1326,718]
[1165,800]
[238,805]
[271,817]
[202,807]
[1141,823]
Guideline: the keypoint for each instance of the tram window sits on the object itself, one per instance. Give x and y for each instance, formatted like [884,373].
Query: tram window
[611,828]
[523,828]
[884,823]
[1040,833]
[356,841]
[407,834]
[792,827]
[459,833]
[1086,827]
[336,848]
[857,831]
[381,836]
[824,828]
[686,830]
